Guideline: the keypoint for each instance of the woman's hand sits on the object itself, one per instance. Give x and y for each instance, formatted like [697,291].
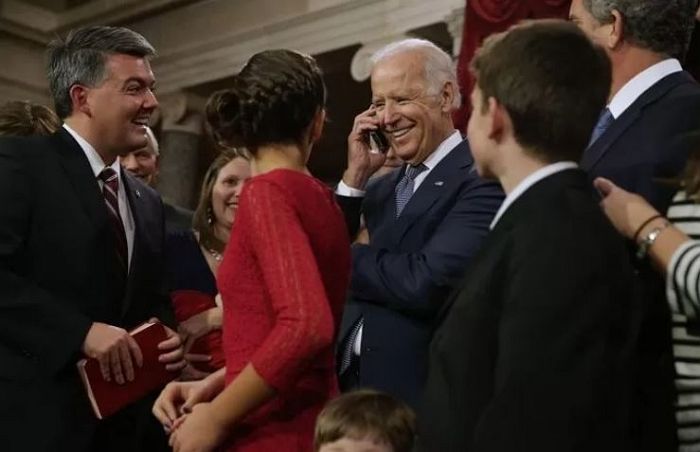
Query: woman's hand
[198,325]
[199,431]
[178,398]
[627,211]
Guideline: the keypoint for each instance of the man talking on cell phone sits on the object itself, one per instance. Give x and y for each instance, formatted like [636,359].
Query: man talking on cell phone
[425,220]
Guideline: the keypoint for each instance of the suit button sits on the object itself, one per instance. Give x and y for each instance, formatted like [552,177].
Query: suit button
[367,349]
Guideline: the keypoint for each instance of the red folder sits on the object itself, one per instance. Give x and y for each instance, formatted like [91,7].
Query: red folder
[108,397]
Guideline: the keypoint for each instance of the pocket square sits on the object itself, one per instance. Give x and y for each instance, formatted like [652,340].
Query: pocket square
[439,183]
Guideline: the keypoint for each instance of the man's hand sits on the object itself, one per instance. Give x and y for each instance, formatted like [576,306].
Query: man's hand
[114,349]
[172,354]
[362,160]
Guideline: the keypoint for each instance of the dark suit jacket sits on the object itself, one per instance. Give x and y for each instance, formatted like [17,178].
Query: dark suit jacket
[177,218]
[639,147]
[57,276]
[401,279]
[534,351]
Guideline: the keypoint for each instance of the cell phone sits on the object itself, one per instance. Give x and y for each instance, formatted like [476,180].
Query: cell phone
[380,141]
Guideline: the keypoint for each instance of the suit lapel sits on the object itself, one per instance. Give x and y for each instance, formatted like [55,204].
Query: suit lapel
[600,147]
[79,171]
[442,179]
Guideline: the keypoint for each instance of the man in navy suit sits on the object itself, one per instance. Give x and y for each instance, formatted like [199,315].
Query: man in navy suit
[424,220]
[652,102]
[81,250]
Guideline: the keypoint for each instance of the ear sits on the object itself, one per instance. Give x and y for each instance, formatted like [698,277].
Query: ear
[79,99]
[617,30]
[498,120]
[317,125]
[447,97]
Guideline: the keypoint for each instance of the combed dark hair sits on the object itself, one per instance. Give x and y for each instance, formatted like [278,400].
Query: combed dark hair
[367,414]
[203,212]
[80,59]
[23,118]
[552,80]
[273,100]
[663,26]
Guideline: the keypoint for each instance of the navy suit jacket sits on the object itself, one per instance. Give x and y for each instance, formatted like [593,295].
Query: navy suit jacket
[641,149]
[58,276]
[400,280]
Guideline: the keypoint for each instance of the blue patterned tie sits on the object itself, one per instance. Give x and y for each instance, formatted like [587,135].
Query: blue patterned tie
[404,189]
[606,118]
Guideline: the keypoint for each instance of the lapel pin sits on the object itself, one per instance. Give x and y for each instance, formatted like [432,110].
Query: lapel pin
[138,194]
[439,183]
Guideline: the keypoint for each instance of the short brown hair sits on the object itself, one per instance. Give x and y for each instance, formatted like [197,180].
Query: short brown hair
[22,118]
[552,80]
[367,413]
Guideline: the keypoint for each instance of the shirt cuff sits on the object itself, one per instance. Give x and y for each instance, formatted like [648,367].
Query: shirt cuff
[344,190]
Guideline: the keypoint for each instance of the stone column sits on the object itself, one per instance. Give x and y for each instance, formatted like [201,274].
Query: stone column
[455,25]
[181,131]
[361,64]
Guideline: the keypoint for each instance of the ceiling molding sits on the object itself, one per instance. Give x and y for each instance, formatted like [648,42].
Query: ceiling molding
[348,23]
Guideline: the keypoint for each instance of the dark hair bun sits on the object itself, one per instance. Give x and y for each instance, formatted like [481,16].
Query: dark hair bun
[273,100]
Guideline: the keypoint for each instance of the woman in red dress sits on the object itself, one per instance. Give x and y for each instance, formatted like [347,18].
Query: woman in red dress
[284,275]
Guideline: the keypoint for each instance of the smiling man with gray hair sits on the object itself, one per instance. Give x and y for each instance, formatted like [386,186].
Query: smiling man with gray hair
[425,220]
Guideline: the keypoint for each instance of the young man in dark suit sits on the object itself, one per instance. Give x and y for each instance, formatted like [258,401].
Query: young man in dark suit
[533,352]
[424,220]
[81,245]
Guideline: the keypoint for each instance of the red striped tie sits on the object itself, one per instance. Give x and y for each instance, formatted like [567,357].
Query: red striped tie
[110,191]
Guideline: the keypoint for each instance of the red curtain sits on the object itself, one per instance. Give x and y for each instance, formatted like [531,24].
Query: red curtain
[485,17]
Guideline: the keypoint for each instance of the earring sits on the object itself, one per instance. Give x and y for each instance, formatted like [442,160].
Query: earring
[210,216]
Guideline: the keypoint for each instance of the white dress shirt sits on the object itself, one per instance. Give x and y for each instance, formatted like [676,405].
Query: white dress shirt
[430,163]
[97,165]
[640,83]
[528,182]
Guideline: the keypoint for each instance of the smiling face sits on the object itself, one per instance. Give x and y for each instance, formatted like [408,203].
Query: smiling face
[142,163]
[414,120]
[120,106]
[227,189]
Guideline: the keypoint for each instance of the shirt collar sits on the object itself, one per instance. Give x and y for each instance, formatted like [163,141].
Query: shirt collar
[96,162]
[528,182]
[640,83]
[441,152]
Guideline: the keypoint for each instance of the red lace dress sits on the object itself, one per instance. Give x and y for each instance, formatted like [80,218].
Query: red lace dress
[283,282]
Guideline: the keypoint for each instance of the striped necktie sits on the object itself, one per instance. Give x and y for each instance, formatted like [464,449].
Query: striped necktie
[110,191]
[404,189]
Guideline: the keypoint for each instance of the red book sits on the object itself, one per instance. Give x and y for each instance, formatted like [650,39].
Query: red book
[108,397]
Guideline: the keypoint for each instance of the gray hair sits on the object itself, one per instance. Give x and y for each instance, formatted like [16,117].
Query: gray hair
[439,67]
[80,59]
[153,142]
[662,26]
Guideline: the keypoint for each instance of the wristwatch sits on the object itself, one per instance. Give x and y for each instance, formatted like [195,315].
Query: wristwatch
[649,240]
